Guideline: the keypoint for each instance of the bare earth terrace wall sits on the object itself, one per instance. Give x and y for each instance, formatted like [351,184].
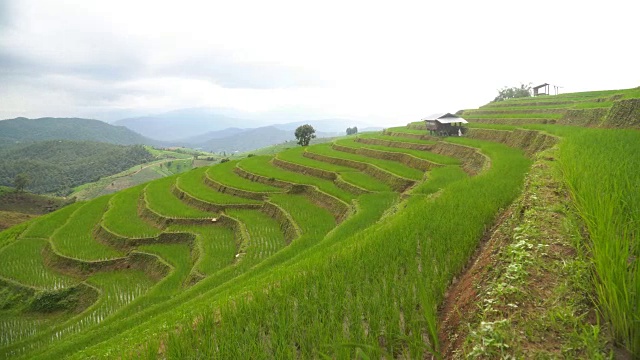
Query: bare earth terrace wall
[521,111]
[409,135]
[334,205]
[473,162]
[207,206]
[262,179]
[584,117]
[287,225]
[347,186]
[406,159]
[319,173]
[150,264]
[396,144]
[530,141]
[417,126]
[397,183]
[234,191]
[625,114]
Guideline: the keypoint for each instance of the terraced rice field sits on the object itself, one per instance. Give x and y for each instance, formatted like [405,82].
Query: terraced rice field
[308,254]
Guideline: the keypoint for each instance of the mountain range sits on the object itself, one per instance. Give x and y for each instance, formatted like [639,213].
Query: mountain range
[211,130]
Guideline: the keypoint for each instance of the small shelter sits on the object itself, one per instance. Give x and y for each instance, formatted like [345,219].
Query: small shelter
[445,124]
[541,90]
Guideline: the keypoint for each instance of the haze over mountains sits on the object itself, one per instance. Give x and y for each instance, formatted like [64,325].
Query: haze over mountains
[189,125]
[208,129]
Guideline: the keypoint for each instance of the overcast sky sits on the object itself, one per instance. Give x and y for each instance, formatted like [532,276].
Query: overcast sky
[391,62]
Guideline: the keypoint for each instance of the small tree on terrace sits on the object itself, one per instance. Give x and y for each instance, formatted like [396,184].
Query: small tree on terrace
[20,181]
[352,131]
[513,92]
[304,134]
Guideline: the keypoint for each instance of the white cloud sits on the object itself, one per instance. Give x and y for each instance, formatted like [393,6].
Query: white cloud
[393,61]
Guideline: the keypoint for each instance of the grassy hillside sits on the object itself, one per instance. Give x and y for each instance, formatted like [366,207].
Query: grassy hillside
[611,108]
[20,130]
[16,208]
[57,166]
[342,250]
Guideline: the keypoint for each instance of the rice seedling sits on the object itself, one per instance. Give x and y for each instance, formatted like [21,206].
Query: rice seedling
[122,215]
[74,239]
[296,155]
[224,174]
[192,182]
[388,165]
[217,246]
[364,181]
[381,136]
[43,227]
[161,200]
[265,236]
[601,171]
[436,158]
[260,165]
[351,297]
[23,263]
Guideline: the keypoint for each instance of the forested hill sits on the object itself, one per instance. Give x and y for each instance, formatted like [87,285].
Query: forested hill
[21,130]
[59,165]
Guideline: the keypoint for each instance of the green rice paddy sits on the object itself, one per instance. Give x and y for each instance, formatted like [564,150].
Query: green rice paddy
[281,277]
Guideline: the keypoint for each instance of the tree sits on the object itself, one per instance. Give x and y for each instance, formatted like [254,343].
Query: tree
[513,92]
[20,181]
[304,134]
[352,131]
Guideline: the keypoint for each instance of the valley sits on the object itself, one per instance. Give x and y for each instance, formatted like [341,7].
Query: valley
[390,244]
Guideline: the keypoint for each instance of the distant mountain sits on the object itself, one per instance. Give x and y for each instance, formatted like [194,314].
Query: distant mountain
[218,134]
[181,124]
[194,125]
[247,140]
[337,126]
[20,130]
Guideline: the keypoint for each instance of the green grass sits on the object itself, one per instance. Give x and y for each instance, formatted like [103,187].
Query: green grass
[602,175]
[397,139]
[405,130]
[23,263]
[192,183]
[439,178]
[161,200]
[216,244]
[388,165]
[351,296]
[296,156]
[74,239]
[347,174]
[122,217]
[511,115]
[364,181]
[260,165]
[265,236]
[224,174]
[425,155]
[45,226]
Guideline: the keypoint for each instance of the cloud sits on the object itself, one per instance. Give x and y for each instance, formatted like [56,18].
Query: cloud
[389,60]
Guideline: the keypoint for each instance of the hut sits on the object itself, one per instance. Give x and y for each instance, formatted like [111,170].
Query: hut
[445,124]
[541,90]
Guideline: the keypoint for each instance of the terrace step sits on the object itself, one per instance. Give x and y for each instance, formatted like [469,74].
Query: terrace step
[406,159]
[396,182]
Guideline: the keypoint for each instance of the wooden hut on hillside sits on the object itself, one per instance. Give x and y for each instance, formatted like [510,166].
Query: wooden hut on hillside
[445,124]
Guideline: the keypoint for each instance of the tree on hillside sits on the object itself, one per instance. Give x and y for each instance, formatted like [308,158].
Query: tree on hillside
[304,134]
[20,181]
[352,131]
[513,92]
